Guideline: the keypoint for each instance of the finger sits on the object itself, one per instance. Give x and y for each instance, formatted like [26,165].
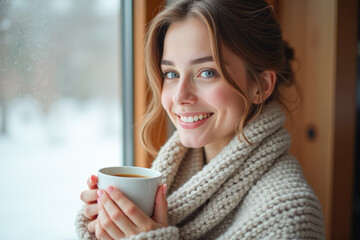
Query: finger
[108,225]
[89,196]
[100,233]
[135,215]
[92,182]
[116,214]
[91,226]
[161,206]
[90,211]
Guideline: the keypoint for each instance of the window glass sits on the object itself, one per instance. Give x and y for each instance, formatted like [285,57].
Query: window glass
[60,111]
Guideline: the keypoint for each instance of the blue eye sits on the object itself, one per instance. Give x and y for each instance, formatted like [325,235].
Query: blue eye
[171,75]
[207,73]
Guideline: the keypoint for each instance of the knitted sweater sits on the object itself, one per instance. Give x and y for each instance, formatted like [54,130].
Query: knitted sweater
[248,191]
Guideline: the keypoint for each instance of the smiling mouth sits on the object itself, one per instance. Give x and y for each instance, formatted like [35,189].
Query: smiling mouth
[195,118]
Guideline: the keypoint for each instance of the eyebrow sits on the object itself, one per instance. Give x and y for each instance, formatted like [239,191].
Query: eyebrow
[194,61]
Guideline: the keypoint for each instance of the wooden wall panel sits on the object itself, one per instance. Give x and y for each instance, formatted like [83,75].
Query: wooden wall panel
[345,115]
[143,12]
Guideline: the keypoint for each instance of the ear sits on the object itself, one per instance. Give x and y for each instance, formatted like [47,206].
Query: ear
[268,80]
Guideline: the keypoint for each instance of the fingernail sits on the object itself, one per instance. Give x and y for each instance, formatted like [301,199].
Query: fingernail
[164,189]
[92,179]
[109,189]
[100,193]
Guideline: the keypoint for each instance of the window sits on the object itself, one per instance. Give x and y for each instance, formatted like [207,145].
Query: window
[60,110]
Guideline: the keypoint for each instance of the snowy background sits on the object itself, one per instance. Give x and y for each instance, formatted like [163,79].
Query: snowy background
[45,161]
[60,113]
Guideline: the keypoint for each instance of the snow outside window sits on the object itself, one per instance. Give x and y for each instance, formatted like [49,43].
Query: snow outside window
[60,113]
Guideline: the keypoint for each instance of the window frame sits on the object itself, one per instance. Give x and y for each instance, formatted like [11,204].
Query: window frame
[127,76]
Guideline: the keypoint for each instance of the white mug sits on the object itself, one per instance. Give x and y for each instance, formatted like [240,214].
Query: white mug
[140,190]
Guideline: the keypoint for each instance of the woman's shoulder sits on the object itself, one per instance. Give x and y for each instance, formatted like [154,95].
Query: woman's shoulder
[285,173]
[284,181]
[283,202]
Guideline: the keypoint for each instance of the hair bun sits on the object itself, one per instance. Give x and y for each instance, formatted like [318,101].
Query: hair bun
[289,52]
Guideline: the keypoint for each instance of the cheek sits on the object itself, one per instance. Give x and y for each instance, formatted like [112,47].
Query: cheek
[166,99]
[224,97]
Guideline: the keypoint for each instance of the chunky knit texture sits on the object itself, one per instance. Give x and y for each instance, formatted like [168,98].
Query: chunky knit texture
[248,191]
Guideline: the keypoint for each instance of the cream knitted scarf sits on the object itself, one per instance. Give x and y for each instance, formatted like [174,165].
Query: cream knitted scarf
[201,198]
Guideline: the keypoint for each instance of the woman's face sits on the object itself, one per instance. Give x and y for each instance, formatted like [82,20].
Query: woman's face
[202,105]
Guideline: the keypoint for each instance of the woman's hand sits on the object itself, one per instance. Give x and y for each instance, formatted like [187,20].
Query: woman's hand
[89,197]
[119,217]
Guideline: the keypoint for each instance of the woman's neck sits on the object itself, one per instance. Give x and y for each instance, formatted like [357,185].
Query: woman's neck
[214,148]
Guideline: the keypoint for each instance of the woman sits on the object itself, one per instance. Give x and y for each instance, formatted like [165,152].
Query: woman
[218,69]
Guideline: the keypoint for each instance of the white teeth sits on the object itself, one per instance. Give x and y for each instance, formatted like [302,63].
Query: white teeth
[194,118]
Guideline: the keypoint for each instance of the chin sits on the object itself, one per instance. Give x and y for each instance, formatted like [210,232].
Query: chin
[189,143]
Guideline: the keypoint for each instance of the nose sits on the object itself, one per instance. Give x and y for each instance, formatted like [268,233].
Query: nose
[185,93]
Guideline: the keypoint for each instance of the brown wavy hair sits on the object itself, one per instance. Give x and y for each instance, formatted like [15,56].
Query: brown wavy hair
[248,27]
